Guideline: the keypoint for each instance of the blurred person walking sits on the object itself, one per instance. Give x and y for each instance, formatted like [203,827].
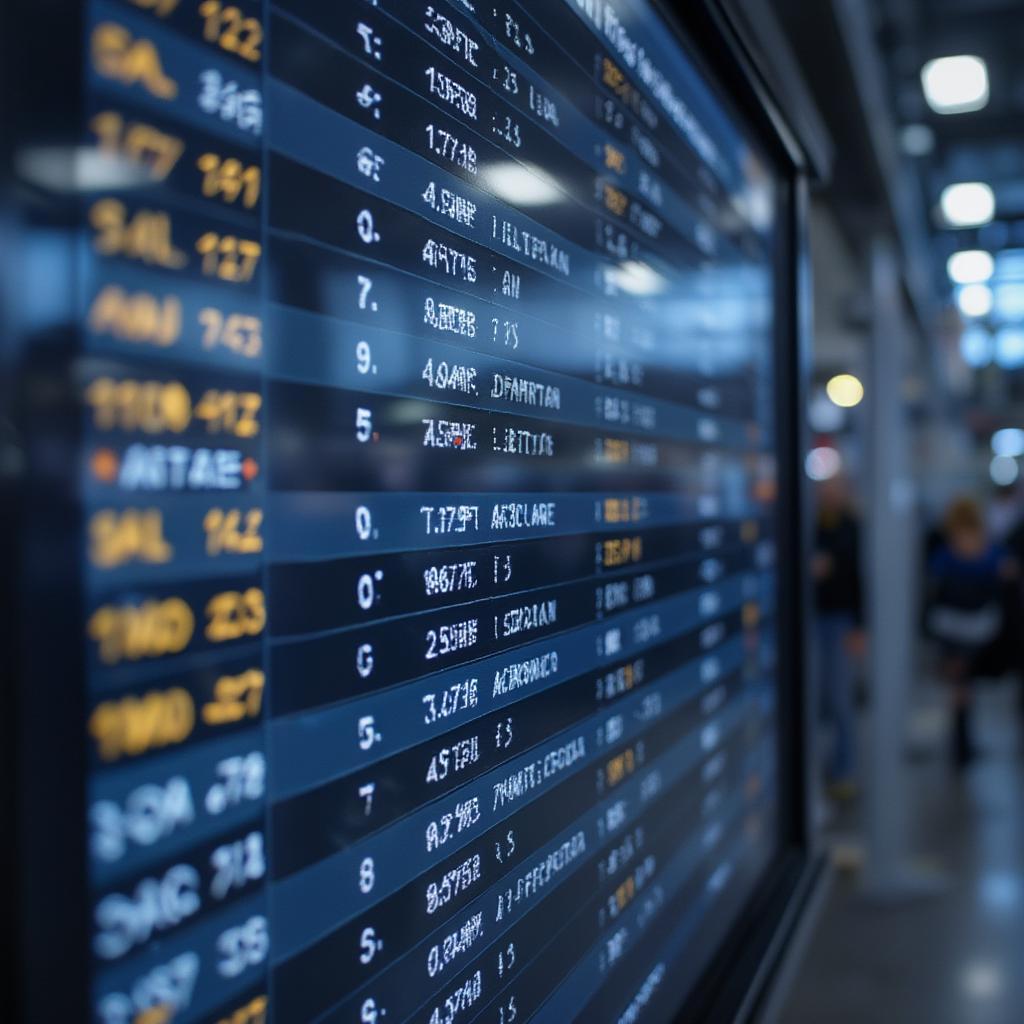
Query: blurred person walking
[968,579]
[838,628]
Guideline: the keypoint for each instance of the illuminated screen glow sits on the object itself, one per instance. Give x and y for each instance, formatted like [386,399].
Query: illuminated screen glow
[425,458]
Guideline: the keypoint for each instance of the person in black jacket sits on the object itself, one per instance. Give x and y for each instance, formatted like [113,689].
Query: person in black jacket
[838,627]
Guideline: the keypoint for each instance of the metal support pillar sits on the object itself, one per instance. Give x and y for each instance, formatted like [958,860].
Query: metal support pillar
[891,572]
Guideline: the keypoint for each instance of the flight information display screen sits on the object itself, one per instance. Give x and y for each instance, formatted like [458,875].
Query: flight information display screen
[427,474]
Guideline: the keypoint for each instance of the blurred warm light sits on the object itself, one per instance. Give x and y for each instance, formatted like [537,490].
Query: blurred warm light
[967,204]
[955,85]
[1009,442]
[1004,470]
[845,390]
[975,300]
[976,347]
[1009,352]
[970,266]
[822,463]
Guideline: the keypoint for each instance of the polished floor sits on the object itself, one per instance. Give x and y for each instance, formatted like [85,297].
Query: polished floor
[956,954]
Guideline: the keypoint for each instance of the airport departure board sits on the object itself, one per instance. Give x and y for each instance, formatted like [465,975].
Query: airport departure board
[427,488]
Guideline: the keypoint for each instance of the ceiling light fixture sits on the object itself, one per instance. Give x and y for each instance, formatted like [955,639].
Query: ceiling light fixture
[976,347]
[845,390]
[955,85]
[1008,442]
[1010,265]
[967,204]
[1004,470]
[974,300]
[1010,348]
[1008,300]
[970,266]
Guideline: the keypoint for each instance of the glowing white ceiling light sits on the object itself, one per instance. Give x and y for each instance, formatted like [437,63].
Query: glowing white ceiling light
[1004,470]
[1009,442]
[1010,348]
[822,463]
[974,300]
[522,184]
[967,204]
[970,266]
[955,85]
[976,347]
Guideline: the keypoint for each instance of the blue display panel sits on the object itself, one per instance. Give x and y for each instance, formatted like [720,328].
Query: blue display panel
[427,473]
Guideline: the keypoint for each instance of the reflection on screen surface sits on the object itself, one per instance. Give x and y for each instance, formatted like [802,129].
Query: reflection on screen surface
[426,476]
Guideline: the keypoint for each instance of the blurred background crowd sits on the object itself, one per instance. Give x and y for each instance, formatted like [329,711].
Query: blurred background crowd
[915,426]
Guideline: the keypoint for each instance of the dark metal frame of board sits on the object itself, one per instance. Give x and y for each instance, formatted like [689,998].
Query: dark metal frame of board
[45,913]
